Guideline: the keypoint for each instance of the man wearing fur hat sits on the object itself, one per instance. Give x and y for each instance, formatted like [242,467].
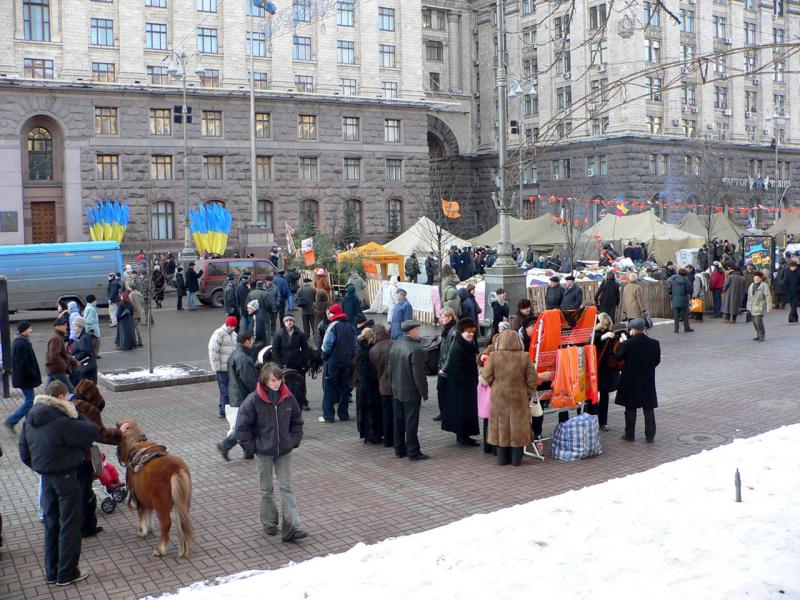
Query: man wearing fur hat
[409,383]
[53,443]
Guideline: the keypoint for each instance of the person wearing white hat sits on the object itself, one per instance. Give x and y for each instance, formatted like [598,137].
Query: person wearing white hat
[83,352]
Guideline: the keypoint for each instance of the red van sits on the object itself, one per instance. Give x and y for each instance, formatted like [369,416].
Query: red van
[216,271]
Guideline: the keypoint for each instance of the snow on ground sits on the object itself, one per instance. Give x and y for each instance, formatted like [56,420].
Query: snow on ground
[673,532]
[158,374]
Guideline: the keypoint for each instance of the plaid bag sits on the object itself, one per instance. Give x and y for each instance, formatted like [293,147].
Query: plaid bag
[577,438]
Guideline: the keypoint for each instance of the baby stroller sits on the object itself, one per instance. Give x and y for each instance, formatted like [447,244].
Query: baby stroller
[108,476]
[295,380]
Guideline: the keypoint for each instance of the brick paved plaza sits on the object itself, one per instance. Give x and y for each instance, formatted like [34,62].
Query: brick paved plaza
[714,385]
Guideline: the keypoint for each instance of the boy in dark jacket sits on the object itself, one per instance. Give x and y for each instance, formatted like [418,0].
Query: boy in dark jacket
[180,287]
[242,380]
[270,425]
[25,374]
[53,443]
[193,285]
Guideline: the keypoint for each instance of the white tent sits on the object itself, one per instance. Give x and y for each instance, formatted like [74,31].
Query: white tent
[722,226]
[423,237]
[542,233]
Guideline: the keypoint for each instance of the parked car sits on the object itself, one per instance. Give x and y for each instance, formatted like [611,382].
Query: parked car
[39,275]
[216,271]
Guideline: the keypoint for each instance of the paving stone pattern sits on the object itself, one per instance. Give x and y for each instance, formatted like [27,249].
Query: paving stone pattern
[714,385]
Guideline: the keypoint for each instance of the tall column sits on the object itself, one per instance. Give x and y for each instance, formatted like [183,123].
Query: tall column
[454,51]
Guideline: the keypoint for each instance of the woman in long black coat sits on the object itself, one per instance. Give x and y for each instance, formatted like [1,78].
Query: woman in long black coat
[607,296]
[637,382]
[605,341]
[460,406]
[369,410]
[126,334]
[83,352]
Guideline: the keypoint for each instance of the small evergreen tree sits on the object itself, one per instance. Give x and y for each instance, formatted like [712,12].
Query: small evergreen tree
[350,232]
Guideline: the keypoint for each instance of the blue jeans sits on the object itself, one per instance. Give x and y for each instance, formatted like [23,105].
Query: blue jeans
[63,378]
[335,389]
[192,300]
[18,414]
[717,294]
[245,324]
[222,383]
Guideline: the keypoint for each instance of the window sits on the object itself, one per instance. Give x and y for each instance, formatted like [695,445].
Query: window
[755,168]
[658,164]
[434,50]
[260,81]
[263,125]
[749,62]
[427,21]
[389,89]
[563,130]
[596,166]
[107,166]
[36,20]
[687,54]
[555,170]
[207,6]
[351,129]
[751,101]
[777,35]
[750,5]
[720,97]
[385,18]
[213,166]
[597,16]
[348,87]
[394,169]
[652,14]
[156,3]
[265,210]
[654,124]
[719,25]
[391,131]
[689,127]
[687,21]
[387,55]
[105,120]
[301,10]
[263,168]
[102,32]
[162,220]
[722,130]
[354,210]
[687,166]
[307,127]
[750,131]
[564,62]
[40,155]
[561,27]
[104,72]
[155,36]
[783,169]
[309,213]
[210,78]
[564,97]
[688,91]
[721,64]
[779,68]
[599,89]
[352,169]
[653,86]
[530,105]
[652,51]
[304,83]
[345,13]
[160,121]
[749,33]
[308,168]
[301,49]
[527,7]
[256,43]
[779,104]
[207,40]
[211,123]
[599,125]
[599,53]
[345,52]
[158,75]
[39,68]
[529,37]
[395,211]
[255,9]
[777,7]
[160,166]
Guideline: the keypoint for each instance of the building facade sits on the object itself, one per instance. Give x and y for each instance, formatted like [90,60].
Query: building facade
[87,111]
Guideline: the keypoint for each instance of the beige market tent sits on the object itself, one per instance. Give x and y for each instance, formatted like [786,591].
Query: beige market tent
[788,224]
[722,226]
[423,237]
[542,233]
[646,227]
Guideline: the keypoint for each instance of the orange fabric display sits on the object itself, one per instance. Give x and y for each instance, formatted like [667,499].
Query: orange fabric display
[592,394]
[550,323]
[566,384]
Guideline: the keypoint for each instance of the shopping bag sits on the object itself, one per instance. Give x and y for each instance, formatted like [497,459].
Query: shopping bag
[484,401]
[576,438]
[696,305]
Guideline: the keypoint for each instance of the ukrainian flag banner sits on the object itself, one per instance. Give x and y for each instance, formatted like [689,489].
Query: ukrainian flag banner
[108,220]
[210,225]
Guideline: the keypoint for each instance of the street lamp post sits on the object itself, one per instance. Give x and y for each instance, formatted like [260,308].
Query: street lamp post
[517,92]
[775,117]
[177,70]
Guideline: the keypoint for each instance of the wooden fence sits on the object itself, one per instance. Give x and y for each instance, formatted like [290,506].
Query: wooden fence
[654,294]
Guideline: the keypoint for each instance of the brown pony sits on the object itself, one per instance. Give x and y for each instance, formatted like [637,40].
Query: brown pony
[156,481]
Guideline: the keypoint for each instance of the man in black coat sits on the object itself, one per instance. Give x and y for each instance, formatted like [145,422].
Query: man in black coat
[409,383]
[607,296]
[554,294]
[113,290]
[290,347]
[53,442]
[230,301]
[193,285]
[180,287]
[791,286]
[637,383]
[241,299]
[573,295]
[25,373]
[431,268]
[306,296]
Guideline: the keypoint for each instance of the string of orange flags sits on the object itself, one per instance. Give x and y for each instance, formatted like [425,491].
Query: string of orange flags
[623,206]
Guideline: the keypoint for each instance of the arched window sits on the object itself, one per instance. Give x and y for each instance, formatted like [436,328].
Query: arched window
[309,213]
[265,213]
[40,155]
[162,220]
[354,210]
[215,202]
[395,213]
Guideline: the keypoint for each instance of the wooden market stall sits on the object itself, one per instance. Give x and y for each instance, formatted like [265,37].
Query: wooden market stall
[376,260]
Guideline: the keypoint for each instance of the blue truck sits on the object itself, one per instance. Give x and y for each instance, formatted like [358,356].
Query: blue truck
[39,275]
